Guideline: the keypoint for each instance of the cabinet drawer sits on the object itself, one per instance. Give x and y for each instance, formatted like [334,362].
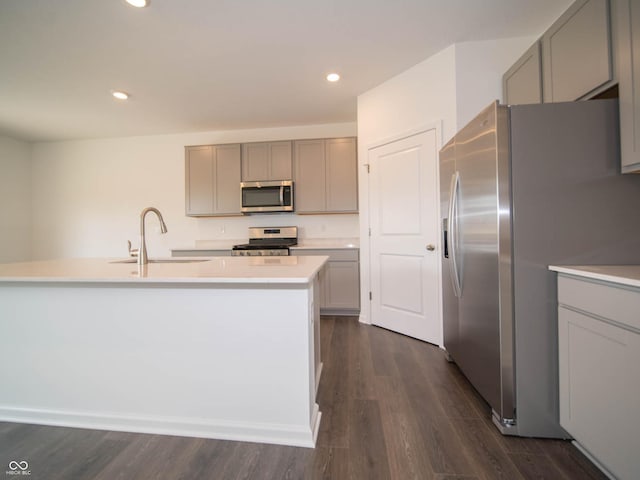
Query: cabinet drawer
[608,301]
[335,255]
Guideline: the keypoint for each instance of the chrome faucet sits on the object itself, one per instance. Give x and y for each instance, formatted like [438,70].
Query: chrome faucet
[141,252]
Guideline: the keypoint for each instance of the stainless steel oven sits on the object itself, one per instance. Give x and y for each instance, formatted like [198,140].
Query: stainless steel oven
[271,196]
[267,241]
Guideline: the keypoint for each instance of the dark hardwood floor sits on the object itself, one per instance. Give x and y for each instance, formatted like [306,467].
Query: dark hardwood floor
[392,408]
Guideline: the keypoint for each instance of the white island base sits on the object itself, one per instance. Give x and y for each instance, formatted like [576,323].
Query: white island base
[185,349]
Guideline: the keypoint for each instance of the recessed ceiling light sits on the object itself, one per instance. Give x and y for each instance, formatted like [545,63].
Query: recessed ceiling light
[138,3]
[333,77]
[120,95]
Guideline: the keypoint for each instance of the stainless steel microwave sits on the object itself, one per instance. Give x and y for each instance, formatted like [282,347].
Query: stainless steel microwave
[270,196]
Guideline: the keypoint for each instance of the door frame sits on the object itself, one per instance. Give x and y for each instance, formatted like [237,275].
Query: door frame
[364,216]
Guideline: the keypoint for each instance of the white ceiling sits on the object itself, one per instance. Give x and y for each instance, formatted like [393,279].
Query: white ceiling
[199,65]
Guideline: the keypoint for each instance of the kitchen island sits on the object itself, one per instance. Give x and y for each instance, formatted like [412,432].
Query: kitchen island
[223,348]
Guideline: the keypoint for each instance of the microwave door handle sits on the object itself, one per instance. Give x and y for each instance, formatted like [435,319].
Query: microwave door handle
[282,195]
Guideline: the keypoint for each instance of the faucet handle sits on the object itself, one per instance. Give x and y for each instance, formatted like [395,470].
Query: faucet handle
[133,252]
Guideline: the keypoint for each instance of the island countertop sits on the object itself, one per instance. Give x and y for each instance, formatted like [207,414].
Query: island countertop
[205,270]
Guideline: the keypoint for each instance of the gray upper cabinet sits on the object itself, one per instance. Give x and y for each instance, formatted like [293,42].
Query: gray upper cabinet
[522,83]
[576,52]
[325,176]
[309,176]
[266,161]
[341,175]
[627,28]
[212,180]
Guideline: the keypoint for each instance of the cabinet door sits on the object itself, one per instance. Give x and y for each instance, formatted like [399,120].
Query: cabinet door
[341,175]
[255,162]
[212,180]
[342,289]
[266,161]
[199,180]
[577,52]
[600,389]
[280,161]
[227,199]
[627,26]
[309,176]
[522,83]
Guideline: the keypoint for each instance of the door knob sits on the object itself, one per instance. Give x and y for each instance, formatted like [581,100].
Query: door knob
[431,247]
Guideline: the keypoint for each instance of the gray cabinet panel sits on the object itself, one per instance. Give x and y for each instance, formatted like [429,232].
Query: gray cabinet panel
[627,28]
[325,173]
[227,180]
[280,164]
[199,180]
[255,162]
[266,161]
[522,83]
[599,351]
[212,180]
[342,289]
[341,171]
[577,52]
[310,176]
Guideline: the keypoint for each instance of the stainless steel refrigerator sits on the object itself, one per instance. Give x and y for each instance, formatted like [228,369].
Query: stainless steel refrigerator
[523,187]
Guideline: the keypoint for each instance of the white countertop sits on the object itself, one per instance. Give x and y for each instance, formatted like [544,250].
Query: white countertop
[328,243]
[622,274]
[211,270]
[308,243]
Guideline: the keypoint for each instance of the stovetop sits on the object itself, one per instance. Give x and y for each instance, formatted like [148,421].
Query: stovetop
[265,245]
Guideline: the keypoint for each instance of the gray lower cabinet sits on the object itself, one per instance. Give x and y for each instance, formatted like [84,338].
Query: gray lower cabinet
[339,280]
[325,176]
[266,161]
[627,45]
[522,83]
[212,180]
[577,53]
[599,354]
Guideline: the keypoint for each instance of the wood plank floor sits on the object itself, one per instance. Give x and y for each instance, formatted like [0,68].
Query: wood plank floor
[393,408]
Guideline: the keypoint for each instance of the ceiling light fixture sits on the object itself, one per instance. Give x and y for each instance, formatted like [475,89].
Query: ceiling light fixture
[120,95]
[333,77]
[138,3]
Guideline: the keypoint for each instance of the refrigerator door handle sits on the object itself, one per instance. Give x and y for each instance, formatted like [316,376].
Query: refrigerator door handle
[453,233]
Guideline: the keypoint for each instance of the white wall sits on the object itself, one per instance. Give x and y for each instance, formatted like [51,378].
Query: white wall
[88,194]
[15,200]
[446,90]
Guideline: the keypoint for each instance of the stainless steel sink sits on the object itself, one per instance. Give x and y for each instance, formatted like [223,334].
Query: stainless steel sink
[163,260]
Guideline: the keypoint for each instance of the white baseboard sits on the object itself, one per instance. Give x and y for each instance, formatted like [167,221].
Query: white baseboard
[298,436]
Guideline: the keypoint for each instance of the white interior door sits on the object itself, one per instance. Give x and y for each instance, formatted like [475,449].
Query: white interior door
[404,241]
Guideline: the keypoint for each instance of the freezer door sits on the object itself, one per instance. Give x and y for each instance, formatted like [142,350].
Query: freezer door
[485,342]
[449,299]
